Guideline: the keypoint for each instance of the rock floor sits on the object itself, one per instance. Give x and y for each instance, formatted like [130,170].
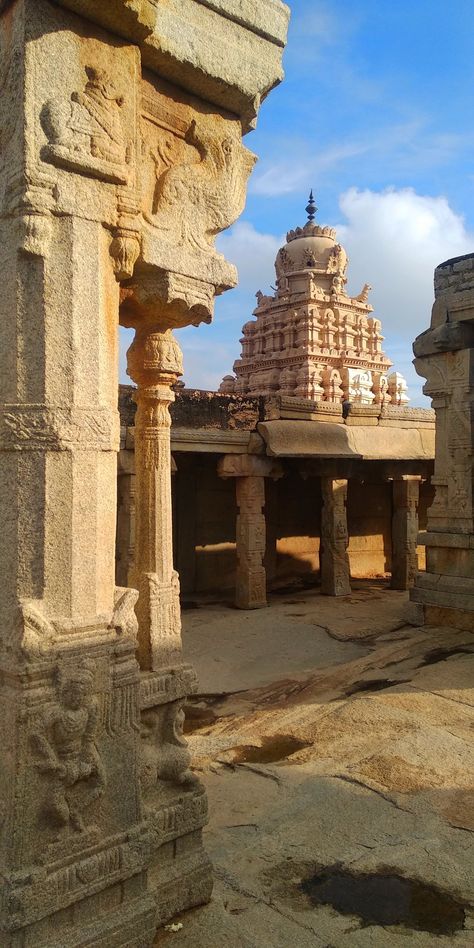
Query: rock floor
[336,746]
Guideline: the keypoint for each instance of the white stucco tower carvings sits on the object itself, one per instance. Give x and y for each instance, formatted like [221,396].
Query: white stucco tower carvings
[310,339]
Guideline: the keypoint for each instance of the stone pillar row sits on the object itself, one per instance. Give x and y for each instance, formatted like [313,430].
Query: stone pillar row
[251,472]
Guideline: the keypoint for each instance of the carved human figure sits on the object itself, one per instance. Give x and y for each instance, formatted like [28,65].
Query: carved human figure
[67,751]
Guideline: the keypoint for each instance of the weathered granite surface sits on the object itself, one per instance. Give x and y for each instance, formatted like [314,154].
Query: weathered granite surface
[114,183]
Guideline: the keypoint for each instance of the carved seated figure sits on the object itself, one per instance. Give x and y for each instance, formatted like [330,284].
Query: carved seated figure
[67,751]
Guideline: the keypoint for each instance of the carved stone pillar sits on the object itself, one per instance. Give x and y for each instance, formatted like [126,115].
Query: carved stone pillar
[334,559]
[405,501]
[155,364]
[250,473]
[250,585]
[73,841]
[445,357]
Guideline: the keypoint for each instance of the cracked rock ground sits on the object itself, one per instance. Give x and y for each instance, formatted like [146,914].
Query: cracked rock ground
[335,743]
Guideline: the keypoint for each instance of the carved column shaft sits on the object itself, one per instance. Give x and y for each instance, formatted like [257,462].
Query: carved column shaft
[125,544]
[445,357]
[68,738]
[405,502]
[251,577]
[155,363]
[334,559]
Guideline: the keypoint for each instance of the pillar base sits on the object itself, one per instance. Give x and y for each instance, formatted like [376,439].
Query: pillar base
[444,600]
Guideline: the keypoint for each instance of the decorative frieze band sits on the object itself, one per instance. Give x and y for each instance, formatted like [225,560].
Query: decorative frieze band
[36,428]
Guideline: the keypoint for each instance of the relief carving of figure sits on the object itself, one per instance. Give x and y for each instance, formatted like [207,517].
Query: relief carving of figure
[165,752]
[197,199]
[86,133]
[67,755]
[337,262]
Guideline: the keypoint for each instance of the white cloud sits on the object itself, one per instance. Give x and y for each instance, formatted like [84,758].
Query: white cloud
[395,239]
[252,252]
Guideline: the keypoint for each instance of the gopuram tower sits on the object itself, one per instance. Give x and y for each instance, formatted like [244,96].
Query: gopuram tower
[310,339]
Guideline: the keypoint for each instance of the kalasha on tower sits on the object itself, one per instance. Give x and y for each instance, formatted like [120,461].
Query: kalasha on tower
[311,339]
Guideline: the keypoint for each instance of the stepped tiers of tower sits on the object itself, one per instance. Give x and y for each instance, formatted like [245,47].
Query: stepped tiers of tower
[310,339]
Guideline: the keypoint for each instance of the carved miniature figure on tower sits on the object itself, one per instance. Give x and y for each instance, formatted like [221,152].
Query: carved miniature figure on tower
[311,319]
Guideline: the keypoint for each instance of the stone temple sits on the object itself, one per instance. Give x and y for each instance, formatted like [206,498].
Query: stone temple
[311,339]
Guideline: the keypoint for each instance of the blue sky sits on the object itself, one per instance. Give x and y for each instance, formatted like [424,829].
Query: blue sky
[375,115]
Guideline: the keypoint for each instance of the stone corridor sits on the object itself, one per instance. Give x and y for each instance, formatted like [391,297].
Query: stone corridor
[335,742]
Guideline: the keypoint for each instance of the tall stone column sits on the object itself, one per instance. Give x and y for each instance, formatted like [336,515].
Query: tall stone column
[250,584]
[155,363]
[125,541]
[405,502]
[250,473]
[334,559]
[113,186]
[445,357]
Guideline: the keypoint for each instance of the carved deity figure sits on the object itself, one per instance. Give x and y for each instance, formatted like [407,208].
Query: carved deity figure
[67,751]
[337,262]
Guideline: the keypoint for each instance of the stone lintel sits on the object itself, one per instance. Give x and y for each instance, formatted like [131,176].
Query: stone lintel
[288,407]
[210,440]
[226,51]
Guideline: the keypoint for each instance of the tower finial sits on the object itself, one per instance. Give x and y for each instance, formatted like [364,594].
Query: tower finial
[311,208]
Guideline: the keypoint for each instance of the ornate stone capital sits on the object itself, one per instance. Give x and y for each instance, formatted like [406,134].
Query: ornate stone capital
[155,361]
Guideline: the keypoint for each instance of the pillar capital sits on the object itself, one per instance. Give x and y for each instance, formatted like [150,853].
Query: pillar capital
[249,465]
[154,362]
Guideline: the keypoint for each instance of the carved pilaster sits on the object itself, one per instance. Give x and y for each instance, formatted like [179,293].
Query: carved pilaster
[445,358]
[334,559]
[251,589]
[405,501]
[155,363]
